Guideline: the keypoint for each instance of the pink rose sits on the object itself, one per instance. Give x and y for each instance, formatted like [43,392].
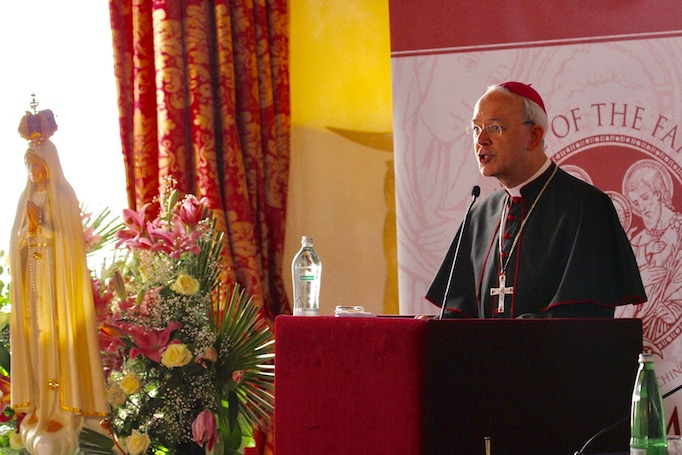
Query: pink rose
[238,376]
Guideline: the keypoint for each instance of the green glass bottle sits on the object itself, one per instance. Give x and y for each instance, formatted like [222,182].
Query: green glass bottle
[647,417]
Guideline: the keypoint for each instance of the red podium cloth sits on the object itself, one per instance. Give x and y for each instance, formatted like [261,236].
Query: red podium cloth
[348,385]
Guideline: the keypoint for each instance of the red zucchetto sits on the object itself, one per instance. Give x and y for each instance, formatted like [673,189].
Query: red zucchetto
[526,91]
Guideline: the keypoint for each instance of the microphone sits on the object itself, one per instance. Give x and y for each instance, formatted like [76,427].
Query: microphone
[475,192]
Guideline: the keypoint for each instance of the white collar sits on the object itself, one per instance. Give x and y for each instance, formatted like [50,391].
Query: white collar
[516,191]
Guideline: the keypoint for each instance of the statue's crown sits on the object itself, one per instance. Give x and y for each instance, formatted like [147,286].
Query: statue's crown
[37,127]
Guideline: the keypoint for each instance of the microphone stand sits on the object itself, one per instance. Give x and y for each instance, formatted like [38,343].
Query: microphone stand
[475,192]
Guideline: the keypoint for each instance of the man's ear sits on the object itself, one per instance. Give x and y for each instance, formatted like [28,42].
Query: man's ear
[535,138]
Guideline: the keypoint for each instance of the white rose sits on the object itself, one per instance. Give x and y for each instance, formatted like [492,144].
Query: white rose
[185,285]
[176,355]
[4,319]
[130,384]
[123,450]
[137,443]
[15,441]
[115,396]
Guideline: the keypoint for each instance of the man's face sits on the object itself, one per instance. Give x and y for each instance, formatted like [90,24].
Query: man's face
[504,156]
[647,203]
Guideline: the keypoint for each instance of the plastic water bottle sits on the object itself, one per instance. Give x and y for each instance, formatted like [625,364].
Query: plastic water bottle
[306,273]
[647,418]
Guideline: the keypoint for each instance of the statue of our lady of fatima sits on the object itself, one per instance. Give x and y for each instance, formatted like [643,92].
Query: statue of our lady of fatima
[57,376]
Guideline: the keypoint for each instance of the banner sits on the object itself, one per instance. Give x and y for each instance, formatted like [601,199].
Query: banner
[611,79]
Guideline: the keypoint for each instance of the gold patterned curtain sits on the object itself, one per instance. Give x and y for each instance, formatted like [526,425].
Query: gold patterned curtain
[203,90]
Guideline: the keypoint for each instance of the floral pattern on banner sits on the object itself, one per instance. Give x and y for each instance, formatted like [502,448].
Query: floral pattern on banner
[204,98]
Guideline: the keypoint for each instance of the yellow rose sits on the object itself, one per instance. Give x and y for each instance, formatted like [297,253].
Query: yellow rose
[130,384]
[144,273]
[15,441]
[176,355]
[185,285]
[137,443]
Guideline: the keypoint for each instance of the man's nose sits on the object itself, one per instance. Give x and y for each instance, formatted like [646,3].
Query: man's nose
[483,138]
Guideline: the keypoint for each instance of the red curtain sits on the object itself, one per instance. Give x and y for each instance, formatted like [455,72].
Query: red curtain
[203,90]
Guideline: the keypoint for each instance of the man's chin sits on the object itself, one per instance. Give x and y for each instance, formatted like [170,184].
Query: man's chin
[486,170]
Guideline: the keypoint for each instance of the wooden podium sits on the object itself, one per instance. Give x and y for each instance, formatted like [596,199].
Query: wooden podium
[351,385]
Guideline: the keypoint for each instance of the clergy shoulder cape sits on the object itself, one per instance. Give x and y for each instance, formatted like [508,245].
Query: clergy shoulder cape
[572,257]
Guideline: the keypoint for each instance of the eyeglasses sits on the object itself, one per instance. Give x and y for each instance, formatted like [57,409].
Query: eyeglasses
[493,129]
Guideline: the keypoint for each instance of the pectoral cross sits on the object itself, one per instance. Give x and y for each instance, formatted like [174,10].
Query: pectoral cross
[501,291]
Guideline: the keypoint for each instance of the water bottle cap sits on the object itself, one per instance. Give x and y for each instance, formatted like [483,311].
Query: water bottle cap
[645,357]
[306,240]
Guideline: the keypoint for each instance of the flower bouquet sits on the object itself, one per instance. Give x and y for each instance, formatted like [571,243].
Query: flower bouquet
[188,359]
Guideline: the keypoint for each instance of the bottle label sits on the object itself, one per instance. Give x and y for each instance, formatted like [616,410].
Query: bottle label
[306,278]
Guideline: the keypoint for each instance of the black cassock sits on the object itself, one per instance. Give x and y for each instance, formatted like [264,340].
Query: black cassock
[572,259]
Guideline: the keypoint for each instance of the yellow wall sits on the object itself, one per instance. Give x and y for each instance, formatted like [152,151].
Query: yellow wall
[340,64]
[340,78]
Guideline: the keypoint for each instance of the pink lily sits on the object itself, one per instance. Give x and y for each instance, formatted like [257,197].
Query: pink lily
[192,210]
[102,298]
[136,222]
[5,396]
[204,428]
[159,233]
[89,232]
[151,343]
[90,238]
[161,239]
[111,330]
[183,242]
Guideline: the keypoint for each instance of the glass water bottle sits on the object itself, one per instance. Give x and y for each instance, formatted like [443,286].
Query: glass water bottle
[306,273]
